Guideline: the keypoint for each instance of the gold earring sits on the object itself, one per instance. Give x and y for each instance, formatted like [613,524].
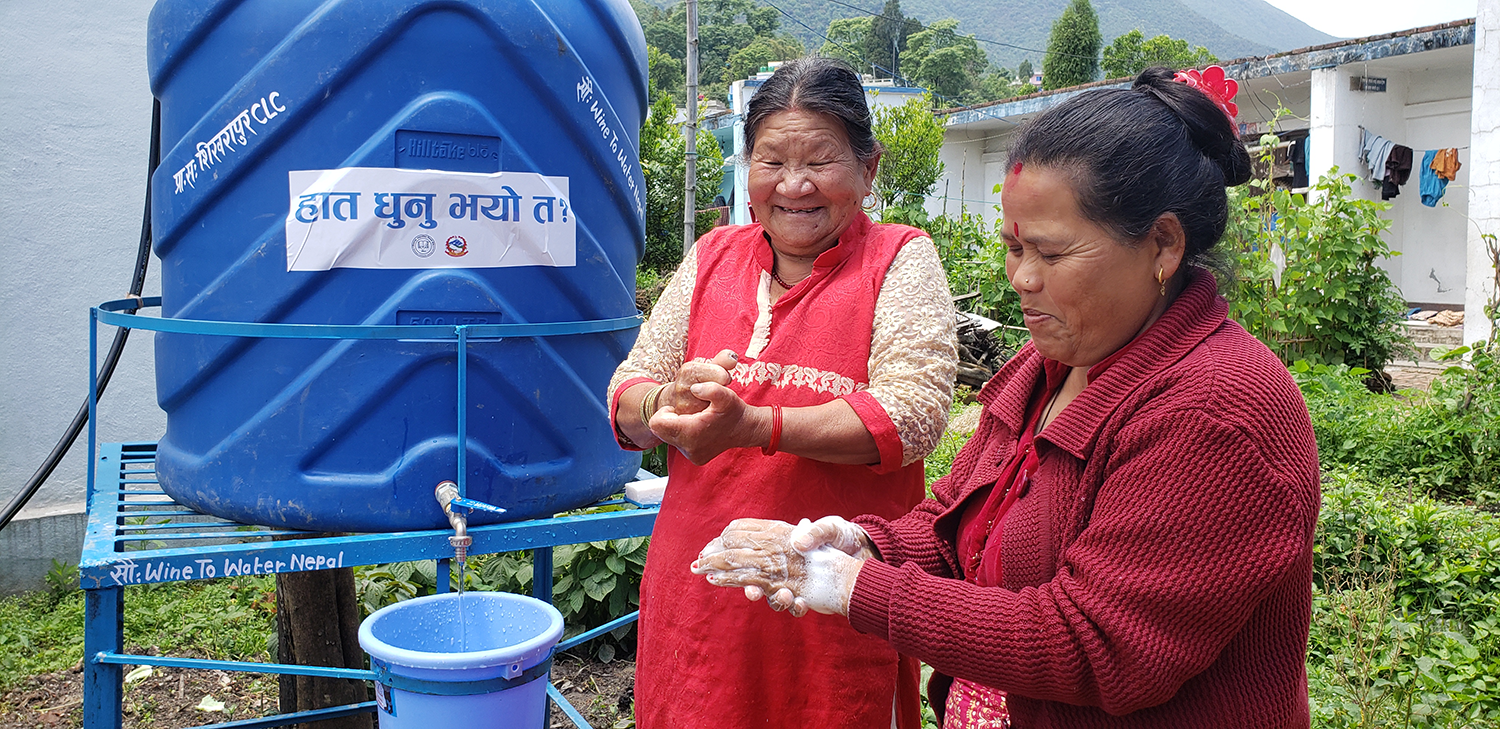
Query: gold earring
[1162,279]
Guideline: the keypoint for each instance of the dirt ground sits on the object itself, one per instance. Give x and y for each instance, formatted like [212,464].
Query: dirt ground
[169,698]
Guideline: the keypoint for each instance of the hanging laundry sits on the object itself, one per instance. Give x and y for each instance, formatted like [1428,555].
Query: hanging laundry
[1397,171]
[1445,164]
[1431,184]
[1373,151]
[1298,156]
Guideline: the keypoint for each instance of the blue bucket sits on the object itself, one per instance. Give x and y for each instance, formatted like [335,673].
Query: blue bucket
[477,659]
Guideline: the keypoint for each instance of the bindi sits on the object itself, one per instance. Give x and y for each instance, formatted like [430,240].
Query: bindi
[1015,229]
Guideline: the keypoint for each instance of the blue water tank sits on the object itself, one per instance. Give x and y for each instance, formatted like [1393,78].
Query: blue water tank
[353,435]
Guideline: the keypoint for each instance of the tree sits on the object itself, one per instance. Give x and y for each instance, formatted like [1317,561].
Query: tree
[887,40]
[663,161]
[946,63]
[724,28]
[666,74]
[1130,54]
[1024,71]
[761,51]
[1073,48]
[846,41]
[910,167]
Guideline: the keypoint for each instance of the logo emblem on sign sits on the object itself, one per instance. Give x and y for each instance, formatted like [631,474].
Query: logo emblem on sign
[456,246]
[423,246]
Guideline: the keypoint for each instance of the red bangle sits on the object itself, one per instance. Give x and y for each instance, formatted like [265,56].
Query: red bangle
[770,448]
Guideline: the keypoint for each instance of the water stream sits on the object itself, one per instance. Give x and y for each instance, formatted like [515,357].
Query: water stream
[463,623]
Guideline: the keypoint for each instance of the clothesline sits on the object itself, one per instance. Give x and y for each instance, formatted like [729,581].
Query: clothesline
[1391,164]
[1363,129]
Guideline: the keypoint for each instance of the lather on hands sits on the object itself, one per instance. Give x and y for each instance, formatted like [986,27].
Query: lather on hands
[812,566]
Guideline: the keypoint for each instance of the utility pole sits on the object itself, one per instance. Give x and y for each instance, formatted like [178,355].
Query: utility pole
[690,184]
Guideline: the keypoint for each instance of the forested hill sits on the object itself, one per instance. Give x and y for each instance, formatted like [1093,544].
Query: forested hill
[1228,28]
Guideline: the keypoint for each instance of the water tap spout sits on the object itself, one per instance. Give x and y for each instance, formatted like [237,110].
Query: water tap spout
[446,493]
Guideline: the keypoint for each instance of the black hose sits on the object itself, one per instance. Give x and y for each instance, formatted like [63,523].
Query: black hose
[116,347]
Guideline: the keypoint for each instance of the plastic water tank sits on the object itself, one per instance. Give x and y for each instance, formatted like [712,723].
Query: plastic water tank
[352,435]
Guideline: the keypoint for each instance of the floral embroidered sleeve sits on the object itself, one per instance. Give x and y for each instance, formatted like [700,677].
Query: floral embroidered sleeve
[658,351]
[913,349]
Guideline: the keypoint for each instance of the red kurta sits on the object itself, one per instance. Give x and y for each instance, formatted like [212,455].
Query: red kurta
[707,656]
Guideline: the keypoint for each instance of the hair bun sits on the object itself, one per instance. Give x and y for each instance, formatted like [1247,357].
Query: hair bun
[1207,125]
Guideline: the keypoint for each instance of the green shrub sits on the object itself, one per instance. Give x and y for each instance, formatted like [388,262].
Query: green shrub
[1406,597]
[973,256]
[1308,280]
[1445,441]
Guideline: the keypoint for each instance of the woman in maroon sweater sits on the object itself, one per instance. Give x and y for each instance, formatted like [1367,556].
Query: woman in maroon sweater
[1127,539]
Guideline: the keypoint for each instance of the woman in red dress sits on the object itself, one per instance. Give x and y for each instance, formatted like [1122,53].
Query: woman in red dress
[799,366]
[1126,541]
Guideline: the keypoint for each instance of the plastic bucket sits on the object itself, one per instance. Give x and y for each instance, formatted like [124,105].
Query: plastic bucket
[477,659]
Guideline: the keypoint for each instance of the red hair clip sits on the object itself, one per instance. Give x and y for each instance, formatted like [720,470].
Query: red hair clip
[1218,87]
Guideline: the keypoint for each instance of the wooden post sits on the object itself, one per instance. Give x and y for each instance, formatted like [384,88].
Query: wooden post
[317,624]
[690,184]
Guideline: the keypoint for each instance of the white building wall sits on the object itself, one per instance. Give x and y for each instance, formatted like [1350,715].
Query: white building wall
[965,182]
[75,114]
[1484,164]
[1433,240]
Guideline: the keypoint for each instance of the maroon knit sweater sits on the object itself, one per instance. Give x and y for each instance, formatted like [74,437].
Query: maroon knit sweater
[1158,572]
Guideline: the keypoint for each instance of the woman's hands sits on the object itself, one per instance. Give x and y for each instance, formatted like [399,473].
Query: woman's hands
[702,417]
[812,566]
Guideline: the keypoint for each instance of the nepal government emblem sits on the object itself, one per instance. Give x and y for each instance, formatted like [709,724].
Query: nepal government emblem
[456,246]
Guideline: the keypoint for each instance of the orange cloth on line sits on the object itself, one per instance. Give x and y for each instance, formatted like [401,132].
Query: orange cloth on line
[1445,163]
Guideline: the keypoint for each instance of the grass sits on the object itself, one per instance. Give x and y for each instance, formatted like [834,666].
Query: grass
[233,619]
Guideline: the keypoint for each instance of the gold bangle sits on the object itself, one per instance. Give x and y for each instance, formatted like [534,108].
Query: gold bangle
[648,404]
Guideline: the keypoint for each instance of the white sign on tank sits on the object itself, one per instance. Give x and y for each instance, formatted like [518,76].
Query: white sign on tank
[380,217]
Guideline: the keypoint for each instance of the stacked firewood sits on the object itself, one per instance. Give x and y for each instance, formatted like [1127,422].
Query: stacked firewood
[980,353]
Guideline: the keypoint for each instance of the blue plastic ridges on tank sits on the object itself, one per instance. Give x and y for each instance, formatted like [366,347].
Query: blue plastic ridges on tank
[354,435]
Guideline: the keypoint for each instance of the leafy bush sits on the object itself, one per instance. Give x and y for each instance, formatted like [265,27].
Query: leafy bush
[1308,282]
[1445,441]
[974,258]
[1406,598]
[910,167]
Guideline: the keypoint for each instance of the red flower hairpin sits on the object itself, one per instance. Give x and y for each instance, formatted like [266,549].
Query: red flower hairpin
[1219,88]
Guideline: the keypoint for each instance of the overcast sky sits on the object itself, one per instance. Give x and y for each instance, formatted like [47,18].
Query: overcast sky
[1359,18]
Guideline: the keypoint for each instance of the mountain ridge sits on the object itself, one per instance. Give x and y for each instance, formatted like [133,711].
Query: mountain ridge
[1012,30]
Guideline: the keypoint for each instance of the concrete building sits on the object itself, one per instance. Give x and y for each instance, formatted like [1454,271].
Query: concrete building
[1423,88]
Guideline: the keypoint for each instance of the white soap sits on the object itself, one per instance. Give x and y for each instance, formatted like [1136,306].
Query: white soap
[647,492]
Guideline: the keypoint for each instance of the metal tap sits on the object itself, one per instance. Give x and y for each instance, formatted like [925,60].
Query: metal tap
[446,493]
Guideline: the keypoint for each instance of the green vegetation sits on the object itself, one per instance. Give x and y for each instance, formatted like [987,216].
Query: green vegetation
[1132,53]
[1444,442]
[733,36]
[910,167]
[230,619]
[1073,48]
[1309,283]
[664,162]
[1406,610]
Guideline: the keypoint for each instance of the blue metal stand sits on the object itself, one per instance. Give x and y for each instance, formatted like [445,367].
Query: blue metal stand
[137,534]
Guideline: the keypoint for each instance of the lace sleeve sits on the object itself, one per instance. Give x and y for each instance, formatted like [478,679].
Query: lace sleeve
[659,349]
[913,349]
